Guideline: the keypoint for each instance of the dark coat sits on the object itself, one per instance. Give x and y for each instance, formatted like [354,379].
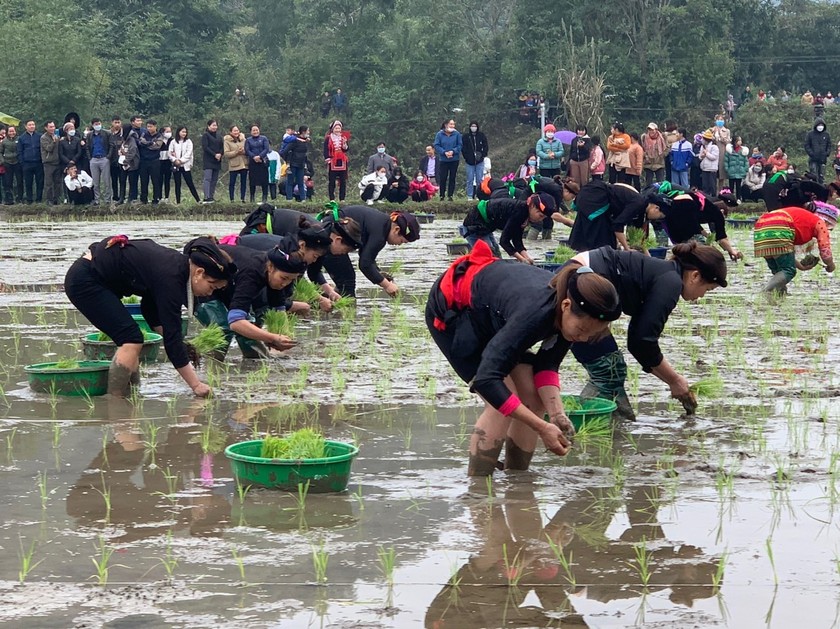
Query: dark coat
[818,143]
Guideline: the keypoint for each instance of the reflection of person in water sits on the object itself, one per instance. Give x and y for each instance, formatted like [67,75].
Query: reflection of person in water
[514,526]
[144,511]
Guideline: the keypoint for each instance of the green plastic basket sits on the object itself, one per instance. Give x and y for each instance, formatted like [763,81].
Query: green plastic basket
[89,378]
[145,327]
[594,409]
[329,474]
[94,349]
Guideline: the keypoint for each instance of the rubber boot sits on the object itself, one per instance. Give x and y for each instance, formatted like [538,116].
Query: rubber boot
[484,462]
[251,348]
[119,379]
[515,457]
[777,286]
[606,380]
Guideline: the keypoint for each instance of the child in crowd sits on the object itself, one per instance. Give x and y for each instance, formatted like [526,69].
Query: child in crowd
[597,163]
[421,189]
[273,158]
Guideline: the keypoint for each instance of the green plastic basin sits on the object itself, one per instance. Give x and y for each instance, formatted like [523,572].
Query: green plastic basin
[89,378]
[145,327]
[593,410]
[95,349]
[325,475]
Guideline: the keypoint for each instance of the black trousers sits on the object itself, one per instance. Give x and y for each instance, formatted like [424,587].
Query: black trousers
[340,177]
[187,176]
[342,273]
[118,181]
[165,177]
[13,182]
[33,175]
[149,171]
[103,308]
[446,172]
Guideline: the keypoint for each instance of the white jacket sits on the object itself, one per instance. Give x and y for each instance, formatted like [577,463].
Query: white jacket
[709,157]
[82,180]
[378,183]
[754,181]
[182,151]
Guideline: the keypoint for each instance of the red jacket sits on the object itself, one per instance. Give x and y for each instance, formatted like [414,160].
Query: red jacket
[416,186]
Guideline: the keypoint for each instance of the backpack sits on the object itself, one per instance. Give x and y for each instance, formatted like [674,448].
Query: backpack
[681,160]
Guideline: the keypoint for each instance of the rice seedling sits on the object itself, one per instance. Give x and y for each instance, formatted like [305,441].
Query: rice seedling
[56,435]
[26,564]
[320,559]
[346,307]
[150,431]
[642,561]
[768,544]
[562,254]
[105,492]
[565,562]
[103,562]
[280,322]
[169,561]
[514,569]
[237,557]
[42,488]
[10,440]
[387,561]
[208,340]
[67,363]
[300,498]
[242,491]
[717,577]
[358,496]
[305,443]
[307,292]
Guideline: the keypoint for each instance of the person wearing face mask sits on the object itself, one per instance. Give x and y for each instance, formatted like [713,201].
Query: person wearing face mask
[397,190]
[818,147]
[421,189]
[550,151]
[475,148]
[448,145]
[165,166]
[528,168]
[69,147]
[753,183]
[97,146]
[778,160]
[381,158]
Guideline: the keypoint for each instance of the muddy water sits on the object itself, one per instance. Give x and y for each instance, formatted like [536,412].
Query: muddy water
[729,517]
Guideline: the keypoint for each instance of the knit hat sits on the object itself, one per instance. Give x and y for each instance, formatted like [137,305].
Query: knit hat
[549,128]
[653,126]
[827,212]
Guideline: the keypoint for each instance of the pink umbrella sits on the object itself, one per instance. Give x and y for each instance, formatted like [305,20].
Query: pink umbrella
[565,136]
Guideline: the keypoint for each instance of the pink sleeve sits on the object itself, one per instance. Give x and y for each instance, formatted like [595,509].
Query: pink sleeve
[510,405]
[547,378]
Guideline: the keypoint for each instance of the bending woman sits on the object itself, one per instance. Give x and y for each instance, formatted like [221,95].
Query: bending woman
[164,279]
[603,211]
[485,314]
[263,280]
[649,289]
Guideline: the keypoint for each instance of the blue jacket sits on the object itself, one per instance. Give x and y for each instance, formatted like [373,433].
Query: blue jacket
[444,143]
[257,146]
[29,148]
[149,145]
[543,147]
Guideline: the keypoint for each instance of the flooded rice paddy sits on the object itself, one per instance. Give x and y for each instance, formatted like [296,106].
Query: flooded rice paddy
[125,513]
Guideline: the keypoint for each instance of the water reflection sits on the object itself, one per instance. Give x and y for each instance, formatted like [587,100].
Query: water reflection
[531,569]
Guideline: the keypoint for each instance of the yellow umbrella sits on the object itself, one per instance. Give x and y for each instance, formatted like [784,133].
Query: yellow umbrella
[9,120]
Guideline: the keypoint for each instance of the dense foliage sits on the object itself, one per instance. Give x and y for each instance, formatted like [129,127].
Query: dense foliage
[404,67]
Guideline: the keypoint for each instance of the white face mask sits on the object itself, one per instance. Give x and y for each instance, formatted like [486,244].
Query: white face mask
[820,128]
[549,136]
[97,127]
[473,129]
[420,179]
[450,129]
[71,133]
[167,135]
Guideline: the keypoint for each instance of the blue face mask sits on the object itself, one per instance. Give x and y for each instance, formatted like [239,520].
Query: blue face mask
[719,123]
[380,150]
[532,162]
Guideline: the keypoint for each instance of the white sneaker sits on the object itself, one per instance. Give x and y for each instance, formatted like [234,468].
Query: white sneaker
[380,201]
[370,201]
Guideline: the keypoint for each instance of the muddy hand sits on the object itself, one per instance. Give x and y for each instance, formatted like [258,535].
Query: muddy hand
[554,439]
[689,402]
[281,343]
[565,425]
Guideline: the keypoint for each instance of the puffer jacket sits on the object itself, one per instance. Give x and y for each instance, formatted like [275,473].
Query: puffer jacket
[544,147]
[736,162]
[818,143]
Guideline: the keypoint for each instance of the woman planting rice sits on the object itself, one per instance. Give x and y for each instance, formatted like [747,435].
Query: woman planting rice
[683,215]
[263,281]
[345,235]
[485,314]
[164,279]
[649,290]
[603,211]
[778,235]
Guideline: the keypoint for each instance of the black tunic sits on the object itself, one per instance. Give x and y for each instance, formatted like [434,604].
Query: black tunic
[284,222]
[509,215]
[250,289]
[602,210]
[649,289]
[684,219]
[513,309]
[375,226]
[159,276]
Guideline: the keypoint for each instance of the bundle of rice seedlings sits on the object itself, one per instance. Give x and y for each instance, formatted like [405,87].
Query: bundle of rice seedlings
[305,443]
[104,337]
[563,253]
[208,340]
[707,387]
[306,292]
[131,299]
[345,306]
[280,322]
[571,404]
[67,363]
